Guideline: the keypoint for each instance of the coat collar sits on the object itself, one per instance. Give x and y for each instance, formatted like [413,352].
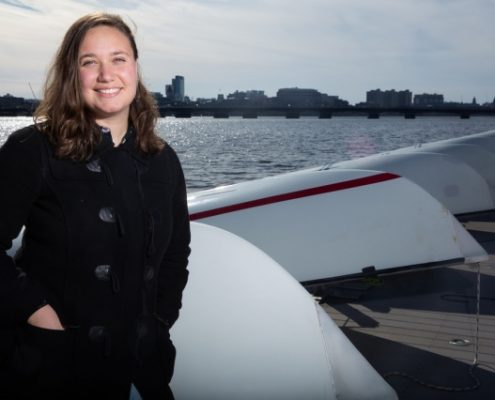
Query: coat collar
[127,144]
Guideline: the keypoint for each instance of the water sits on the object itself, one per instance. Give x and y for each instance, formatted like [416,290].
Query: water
[218,152]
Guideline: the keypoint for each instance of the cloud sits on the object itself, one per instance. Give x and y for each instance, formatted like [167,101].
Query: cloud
[114,4]
[341,47]
[19,4]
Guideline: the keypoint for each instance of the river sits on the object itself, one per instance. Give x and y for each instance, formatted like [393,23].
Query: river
[218,152]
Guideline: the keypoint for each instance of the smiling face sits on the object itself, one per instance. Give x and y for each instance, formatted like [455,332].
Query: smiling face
[108,74]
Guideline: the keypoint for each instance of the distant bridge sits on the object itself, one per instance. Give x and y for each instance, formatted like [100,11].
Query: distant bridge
[321,112]
[188,111]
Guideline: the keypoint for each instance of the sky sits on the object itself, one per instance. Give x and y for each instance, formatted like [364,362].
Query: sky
[339,47]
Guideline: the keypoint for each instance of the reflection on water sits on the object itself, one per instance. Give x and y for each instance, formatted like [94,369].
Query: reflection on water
[217,152]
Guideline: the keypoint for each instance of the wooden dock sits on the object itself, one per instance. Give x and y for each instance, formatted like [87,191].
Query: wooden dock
[423,330]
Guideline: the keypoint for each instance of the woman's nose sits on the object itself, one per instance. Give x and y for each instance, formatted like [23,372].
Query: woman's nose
[105,73]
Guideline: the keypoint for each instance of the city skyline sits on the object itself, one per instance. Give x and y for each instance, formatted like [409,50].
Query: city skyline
[342,48]
[175,93]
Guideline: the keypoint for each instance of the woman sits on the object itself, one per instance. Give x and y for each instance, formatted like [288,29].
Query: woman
[87,303]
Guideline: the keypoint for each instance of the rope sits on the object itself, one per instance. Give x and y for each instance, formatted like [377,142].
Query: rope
[476,382]
[478,300]
[412,378]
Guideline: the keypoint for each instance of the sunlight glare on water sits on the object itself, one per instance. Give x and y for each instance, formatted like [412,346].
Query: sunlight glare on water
[217,152]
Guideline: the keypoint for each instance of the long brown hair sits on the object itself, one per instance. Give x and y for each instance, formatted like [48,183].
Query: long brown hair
[62,114]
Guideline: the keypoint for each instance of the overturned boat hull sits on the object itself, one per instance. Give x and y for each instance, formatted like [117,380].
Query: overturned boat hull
[458,172]
[248,330]
[385,222]
[381,213]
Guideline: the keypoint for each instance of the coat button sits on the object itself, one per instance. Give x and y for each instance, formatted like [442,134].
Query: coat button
[94,165]
[107,214]
[149,273]
[97,333]
[102,272]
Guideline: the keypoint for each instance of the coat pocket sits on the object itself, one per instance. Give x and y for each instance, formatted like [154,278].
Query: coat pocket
[41,357]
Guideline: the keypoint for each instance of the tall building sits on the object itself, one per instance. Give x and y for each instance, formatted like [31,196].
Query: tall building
[389,98]
[175,91]
[169,92]
[9,101]
[299,97]
[375,98]
[249,96]
[178,88]
[426,99]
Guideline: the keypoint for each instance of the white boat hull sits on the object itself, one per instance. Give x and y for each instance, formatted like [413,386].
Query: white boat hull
[324,223]
[458,172]
[248,330]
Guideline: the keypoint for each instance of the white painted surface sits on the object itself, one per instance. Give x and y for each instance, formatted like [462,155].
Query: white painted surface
[458,172]
[389,224]
[481,159]
[248,330]
[450,180]
[265,187]
[342,355]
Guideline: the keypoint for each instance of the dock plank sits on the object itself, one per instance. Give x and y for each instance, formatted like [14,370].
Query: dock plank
[405,323]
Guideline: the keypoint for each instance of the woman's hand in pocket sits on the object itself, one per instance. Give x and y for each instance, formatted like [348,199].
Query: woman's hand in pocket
[45,318]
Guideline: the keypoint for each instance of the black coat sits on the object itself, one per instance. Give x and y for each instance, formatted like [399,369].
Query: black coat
[105,244]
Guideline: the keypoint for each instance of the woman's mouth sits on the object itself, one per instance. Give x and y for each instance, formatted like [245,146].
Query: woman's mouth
[109,91]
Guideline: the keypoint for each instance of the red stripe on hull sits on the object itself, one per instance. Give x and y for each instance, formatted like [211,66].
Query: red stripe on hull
[333,187]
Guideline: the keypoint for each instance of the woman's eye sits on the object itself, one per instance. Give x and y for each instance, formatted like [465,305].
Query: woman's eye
[85,63]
